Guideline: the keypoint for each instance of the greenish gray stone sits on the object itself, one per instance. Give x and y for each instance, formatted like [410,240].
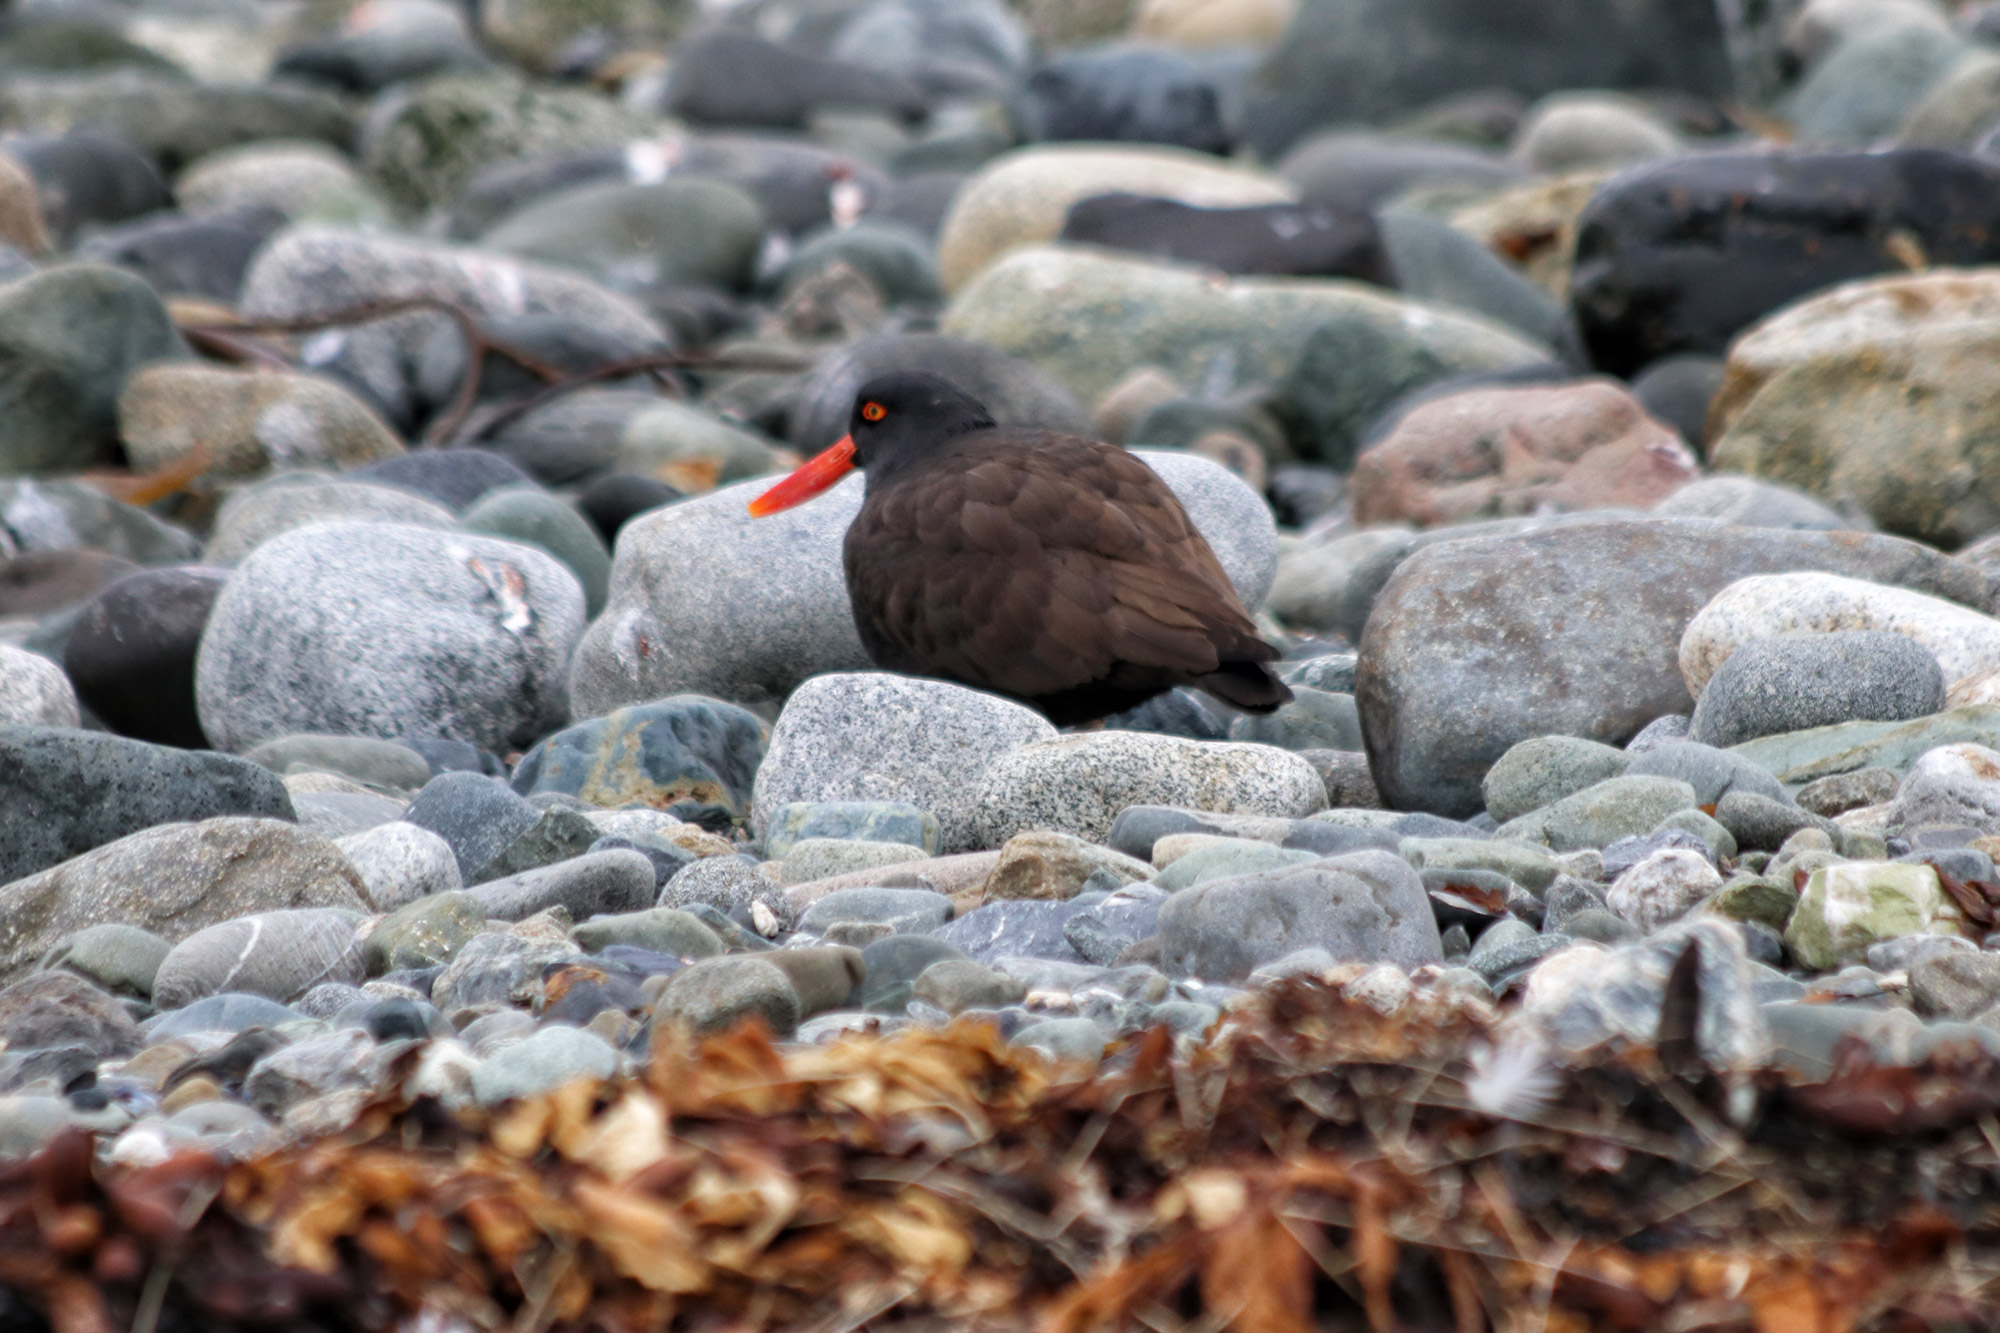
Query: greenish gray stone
[1313,720]
[1528,865]
[1602,813]
[1066,1041]
[664,930]
[898,262]
[1239,856]
[863,821]
[555,836]
[1760,824]
[1714,774]
[540,519]
[542,1062]
[122,959]
[684,747]
[678,232]
[1846,908]
[173,120]
[433,137]
[54,514]
[1801,757]
[362,758]
[1719,841]
[905,911]
[681,444]
[1543,770]
[823,976]
[69,338]
[1863,90]
[1749,898]
[1087,318]
[714,995]
[958,984]
[427,933]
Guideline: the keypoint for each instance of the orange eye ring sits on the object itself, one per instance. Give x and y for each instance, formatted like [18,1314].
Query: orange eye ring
[873,411]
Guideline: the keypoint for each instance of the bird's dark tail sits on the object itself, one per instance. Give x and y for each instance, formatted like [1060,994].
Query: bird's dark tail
[1251,686]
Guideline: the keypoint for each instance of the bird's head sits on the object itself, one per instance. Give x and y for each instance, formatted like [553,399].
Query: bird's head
[897,419]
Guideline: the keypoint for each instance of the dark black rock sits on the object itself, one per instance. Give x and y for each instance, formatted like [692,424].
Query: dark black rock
[1016,393]
[1348,61]
[1126,95]
[1320,239]
[612,501]
[183,256]
[64,792]
[452,477]
[131,653]
[728,77]
[40,582]
[89,177]
[1683,255]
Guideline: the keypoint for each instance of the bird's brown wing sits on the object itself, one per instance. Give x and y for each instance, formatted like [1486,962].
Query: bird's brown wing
[1033,563]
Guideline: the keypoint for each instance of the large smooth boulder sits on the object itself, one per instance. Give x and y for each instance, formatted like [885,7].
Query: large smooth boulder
[389,630]
[1475,646]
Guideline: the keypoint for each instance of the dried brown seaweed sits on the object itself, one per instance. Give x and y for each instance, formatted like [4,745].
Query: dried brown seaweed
[1313,1165]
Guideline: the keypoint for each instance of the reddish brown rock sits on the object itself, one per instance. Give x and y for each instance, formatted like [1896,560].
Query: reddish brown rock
[1488,453]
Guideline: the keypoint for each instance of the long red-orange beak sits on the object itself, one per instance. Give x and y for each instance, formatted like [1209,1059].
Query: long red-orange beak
[815,475]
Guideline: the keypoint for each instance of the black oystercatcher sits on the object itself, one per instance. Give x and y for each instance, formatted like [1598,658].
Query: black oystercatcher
[1055,570]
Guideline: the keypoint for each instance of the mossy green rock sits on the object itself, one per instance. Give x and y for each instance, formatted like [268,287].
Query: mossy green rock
[1533,868]
[436,135]
[427,933]
[69,339]
[1602,813]
[1753,900]
[1846,908]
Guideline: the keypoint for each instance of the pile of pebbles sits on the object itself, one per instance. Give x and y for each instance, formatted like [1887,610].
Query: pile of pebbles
[1612,469]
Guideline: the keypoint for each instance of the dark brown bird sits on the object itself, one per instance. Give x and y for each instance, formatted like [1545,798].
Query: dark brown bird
[1058,571]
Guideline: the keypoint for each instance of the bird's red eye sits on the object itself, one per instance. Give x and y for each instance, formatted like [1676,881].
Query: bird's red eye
[873,411]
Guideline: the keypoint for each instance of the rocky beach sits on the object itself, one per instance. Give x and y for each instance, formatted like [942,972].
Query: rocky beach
[461,871]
